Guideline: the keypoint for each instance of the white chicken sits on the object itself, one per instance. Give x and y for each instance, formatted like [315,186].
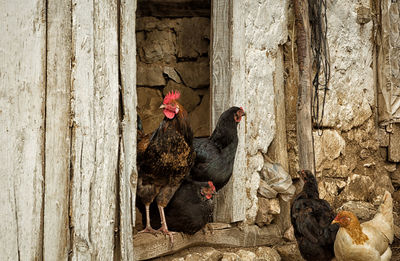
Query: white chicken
[368,241]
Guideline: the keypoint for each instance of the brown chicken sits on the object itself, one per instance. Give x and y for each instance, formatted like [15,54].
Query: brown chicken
[368,241]
[164,159]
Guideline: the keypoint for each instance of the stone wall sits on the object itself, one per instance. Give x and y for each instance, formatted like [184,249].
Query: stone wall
[172,54]
[351,154]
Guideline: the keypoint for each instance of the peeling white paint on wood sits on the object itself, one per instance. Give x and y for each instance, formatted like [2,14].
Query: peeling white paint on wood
[22,94]
[57,147]
[95,138]
[128,171]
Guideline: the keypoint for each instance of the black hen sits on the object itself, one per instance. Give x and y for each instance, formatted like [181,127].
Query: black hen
[215,155]
[311,218]
[190,209]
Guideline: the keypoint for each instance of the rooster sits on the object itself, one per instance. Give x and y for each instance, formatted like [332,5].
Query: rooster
[215,155]
[164,159]
[311,219]
[366,241]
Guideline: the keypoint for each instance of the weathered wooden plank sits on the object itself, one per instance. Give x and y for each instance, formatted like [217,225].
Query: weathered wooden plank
[57,165]
[149,246]
[95,138]
[128,171]
[174,8]
[304,123]
[231,200]
[22,94]
[220,59]
[394,144]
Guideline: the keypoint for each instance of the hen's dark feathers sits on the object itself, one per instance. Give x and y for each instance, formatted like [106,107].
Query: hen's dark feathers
[187,212]
[311,219]
[215,155]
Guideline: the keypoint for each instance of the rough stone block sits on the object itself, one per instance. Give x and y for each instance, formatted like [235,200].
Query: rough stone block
[149,75]
[200,118]
[228,256]
[189,99]
[246,255]
[358,188]
[157,46]
[195,74]
[192,36]
[149,101]
[172,74]
[328,147]
[289,252]
[267,254]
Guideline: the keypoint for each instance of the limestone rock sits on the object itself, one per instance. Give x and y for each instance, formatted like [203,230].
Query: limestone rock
[200,118]
[229,256]
[150,23]
[149,101]
[192,37]
[328,189]
[189,99]
[363,210]
[149,75]
[157,46]
[267,254]
[195,74]
[358,188]
[267,208]
[172,74]
[328,147]
[289,252]
[289,234]
[246,255]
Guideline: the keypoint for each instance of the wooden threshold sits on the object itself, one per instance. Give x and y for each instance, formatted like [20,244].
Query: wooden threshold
[148,246]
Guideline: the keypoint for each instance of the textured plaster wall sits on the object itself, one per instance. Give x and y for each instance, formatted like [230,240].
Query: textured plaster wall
[265,30]
[351,96]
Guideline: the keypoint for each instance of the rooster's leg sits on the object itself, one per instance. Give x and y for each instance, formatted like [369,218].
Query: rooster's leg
[148,228]
[164,227]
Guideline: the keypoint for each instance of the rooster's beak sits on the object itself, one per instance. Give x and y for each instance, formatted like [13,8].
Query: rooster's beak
[335,222]
[162,106]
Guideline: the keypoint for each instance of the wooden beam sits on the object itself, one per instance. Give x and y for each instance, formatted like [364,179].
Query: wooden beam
[22,109]
[227,89]
[174,8]
[150,246]
[58,134]
[304,122]
[128,171]
[95,133]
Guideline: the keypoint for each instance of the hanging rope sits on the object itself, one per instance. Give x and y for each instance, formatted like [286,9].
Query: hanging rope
[321,66]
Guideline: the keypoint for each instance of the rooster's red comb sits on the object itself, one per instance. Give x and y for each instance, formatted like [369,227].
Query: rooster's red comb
[211,185]
[171,96]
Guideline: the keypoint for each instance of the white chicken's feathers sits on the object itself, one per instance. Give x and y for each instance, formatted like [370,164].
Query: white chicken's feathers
[380,232]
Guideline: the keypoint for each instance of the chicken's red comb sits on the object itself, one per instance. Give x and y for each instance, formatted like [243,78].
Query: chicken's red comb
[211,185]
[171,96]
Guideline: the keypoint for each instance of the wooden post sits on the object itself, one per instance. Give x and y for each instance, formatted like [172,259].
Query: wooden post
[58,134]
[227,89]
[304,123]
[22,108]
[128,171]
[95,133]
